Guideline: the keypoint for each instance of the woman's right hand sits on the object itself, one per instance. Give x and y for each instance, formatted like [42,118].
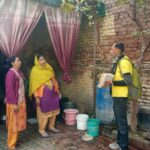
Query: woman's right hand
[37,101]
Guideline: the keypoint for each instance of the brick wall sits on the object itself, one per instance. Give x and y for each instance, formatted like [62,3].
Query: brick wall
[116,26]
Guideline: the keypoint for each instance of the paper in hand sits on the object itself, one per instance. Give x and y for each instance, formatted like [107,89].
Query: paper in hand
[105,77]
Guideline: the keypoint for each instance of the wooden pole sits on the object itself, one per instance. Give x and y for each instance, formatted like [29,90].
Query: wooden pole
[94,64]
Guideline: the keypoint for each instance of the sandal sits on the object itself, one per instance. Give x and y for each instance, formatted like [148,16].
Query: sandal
[44,135]
[54,130]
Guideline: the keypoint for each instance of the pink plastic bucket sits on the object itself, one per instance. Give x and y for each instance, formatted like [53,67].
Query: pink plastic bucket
[70,116]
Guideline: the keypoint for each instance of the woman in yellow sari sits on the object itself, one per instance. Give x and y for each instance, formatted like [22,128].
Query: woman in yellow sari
[44,87]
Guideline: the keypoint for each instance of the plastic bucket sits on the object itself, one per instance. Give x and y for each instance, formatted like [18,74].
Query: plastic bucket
[70,105]
[70,116]
[82,121]
[93,127]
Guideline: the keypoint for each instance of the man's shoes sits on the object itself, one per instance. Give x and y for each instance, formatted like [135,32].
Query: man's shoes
[114,146]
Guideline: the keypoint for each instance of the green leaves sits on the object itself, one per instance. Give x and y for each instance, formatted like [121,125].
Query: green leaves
[140,2]
[68,7]
[90,8]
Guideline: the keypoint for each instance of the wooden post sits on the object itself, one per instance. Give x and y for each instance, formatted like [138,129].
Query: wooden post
[94,64]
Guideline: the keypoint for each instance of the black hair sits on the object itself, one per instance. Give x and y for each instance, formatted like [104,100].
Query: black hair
[11,60]
[39,55]
[120,46]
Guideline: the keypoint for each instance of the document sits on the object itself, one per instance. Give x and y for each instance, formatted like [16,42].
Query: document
[104,77]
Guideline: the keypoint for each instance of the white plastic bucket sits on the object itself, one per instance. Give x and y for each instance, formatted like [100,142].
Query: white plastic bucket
[82,121]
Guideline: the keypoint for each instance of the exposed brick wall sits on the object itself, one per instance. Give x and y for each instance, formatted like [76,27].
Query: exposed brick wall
[81,90]
[116,26]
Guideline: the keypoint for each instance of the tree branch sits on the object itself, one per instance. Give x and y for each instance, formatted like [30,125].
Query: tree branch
[135,17]
[143,51]
[102,54]
[145,45]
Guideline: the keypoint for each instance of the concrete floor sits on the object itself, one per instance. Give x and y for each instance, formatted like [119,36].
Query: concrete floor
[68,139]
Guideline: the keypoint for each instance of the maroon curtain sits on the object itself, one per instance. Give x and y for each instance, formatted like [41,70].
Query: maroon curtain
[63,29]
[17,21]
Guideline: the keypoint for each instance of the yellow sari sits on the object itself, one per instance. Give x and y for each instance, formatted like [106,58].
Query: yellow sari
[39,76]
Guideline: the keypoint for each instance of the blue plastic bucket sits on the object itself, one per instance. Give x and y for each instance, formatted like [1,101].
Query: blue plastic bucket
[93,127]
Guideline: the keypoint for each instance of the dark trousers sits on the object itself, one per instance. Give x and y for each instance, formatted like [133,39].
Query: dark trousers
[120,110]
